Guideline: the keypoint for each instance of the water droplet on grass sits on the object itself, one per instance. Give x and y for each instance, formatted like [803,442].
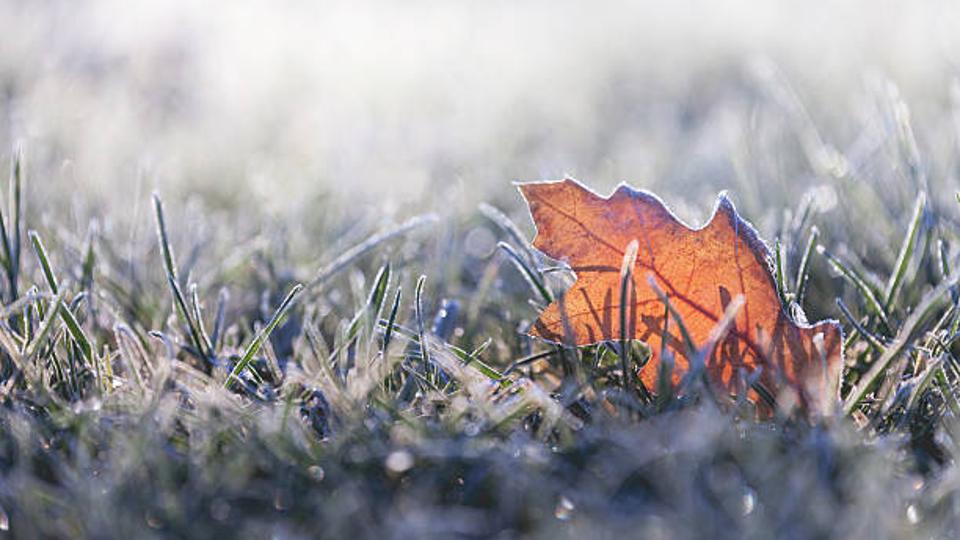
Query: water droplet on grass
[749,501]
[316,473]
[399,461]
[153,521]
[280,500]
[913,515]
[564,509]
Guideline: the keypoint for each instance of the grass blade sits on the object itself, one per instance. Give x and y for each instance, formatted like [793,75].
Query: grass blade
[77,333]
[781,274]
[45,327]
[904,338]
[170,266]
[198,316]
[89,258]
[262,336]
[688,343]
[507,225]
[421,333]
[16,214]
[803,271]
[371,309]
[44,261]
[10,233]
[364,247]
[391,321]
[861,285]
[626,279]
[69,319]
[218,322]
[906,252]
[168,260]
[871,339]
[532,278]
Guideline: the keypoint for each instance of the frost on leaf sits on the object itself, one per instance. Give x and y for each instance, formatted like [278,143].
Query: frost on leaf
[701,271]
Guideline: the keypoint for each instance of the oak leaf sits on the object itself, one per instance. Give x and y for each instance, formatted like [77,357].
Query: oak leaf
[700,272]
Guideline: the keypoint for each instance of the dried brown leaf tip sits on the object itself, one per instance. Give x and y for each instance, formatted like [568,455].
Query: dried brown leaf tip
[717,274]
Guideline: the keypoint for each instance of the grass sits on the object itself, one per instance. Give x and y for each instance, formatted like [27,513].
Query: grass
[129,407]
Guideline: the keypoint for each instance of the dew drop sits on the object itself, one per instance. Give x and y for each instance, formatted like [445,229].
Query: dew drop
[913,515]
[749,501]
[399,461]
[280,500]
[153,521]
[564,509]
[316,473]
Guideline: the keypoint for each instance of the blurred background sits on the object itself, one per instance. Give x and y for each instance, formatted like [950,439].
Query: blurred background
[410,102]
[271,110]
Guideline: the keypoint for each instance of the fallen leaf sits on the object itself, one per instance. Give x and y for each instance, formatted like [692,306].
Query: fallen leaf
[701,272]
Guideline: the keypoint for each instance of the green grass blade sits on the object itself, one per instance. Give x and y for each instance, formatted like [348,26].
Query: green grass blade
[871,339]
[8,266]
[483,347]
[689,344]
[16,210]
[170,266]
[860,284]
[626,279]
[531,276]
[367,315]
[131,352]
[69,319]
[529,359]
[45,327]
[366,246]
[904,338]
[470,359]
[10,232]
[44,261]
[391,321]
[379,291]
[77,333]
[906,252]
[219,320]
[781,274]
[665,388]
[89,259]
[262,336]
[942,258]
[507,225]
[803,271]
[184,314]
[421,332]
[26,320]
[198,317]
[169,263]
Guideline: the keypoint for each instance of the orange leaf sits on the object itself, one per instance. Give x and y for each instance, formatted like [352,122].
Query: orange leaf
[700,271]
